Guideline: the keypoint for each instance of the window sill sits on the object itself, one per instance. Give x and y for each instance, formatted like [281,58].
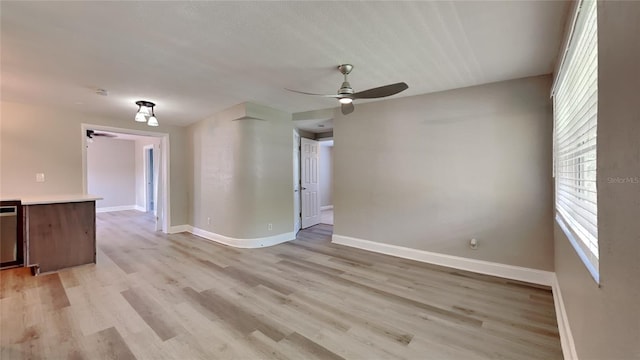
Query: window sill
[574,242]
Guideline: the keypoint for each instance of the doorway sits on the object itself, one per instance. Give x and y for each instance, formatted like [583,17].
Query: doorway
[313,182]
[326,182]
[310,182]
[152,183]
[149,179]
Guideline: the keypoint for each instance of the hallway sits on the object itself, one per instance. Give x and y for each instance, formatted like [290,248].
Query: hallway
[326,216]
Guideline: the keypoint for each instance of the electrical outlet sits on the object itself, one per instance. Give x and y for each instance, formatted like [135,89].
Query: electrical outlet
[270,227]
[208,221]
[39,177]
[473,243]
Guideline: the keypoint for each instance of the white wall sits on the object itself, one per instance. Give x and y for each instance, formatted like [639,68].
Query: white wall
[605,319]
[326,174]
[111,171]
[45,139]
[431,172]
[243,172]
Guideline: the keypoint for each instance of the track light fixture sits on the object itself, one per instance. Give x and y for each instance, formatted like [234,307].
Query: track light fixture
[145,113]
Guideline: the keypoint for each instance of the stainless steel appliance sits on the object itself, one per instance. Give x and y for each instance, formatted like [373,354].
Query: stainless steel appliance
[10,234]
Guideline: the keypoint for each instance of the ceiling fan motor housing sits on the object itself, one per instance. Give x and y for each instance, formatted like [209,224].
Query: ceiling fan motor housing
[345,89]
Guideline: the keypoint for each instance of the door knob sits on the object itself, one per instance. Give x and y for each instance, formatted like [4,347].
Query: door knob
[304,188]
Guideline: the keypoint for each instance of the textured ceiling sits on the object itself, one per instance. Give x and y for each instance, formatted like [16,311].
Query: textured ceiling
[196,58]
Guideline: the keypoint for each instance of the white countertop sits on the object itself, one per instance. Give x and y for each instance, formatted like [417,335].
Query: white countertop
[52,199]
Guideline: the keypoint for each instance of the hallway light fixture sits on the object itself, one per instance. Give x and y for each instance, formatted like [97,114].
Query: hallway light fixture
[145,113]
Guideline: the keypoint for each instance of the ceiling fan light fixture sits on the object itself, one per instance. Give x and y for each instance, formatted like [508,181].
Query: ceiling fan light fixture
[145,113]
[346,95]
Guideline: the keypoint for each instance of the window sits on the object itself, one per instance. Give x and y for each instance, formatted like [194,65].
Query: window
[575,110]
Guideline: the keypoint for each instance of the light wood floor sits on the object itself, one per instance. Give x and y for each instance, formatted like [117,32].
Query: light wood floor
[155,296]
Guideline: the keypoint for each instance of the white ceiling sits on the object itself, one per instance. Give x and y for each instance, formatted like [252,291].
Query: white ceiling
[194,59]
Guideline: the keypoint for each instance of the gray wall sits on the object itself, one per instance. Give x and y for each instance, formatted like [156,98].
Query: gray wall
[326,174]
[45,139]
[430,172]
[243,172]
[111,172]
[605,320]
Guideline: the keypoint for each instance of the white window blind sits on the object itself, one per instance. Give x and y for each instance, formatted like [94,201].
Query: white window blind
[575,102]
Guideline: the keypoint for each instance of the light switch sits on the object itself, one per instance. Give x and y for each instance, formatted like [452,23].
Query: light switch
[39,177]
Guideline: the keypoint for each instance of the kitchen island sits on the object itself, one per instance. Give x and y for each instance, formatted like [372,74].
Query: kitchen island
[59,231]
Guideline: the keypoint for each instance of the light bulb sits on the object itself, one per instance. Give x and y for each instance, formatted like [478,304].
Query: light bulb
[152,121]
[140,117]
[345,100]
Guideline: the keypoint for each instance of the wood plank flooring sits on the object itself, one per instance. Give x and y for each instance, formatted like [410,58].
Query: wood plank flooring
[157,296]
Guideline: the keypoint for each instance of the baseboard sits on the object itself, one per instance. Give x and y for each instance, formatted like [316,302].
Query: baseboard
[519,273]
[566,338]
[140,208]
[235,242]
[244,243]
[180,228]
[115,208]
[326,207]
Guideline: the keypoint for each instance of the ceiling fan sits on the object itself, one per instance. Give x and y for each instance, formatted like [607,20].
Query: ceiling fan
[346,95]
[92,133]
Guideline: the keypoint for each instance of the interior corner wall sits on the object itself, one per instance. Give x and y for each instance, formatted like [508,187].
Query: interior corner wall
[242,174]
[605,320]
[49,140]
[433,171]
[111,171]
[326,175]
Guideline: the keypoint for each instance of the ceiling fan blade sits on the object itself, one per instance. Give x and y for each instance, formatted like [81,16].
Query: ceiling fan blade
[307,93]
[347,108]
[381,91]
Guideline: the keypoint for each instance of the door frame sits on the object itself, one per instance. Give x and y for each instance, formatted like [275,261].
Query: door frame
[164,174]
[297,201]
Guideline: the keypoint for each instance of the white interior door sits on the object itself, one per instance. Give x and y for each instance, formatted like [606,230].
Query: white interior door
[309,179]
[297,223]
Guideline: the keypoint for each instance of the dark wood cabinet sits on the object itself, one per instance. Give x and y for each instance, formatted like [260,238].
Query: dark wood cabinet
[60,235]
